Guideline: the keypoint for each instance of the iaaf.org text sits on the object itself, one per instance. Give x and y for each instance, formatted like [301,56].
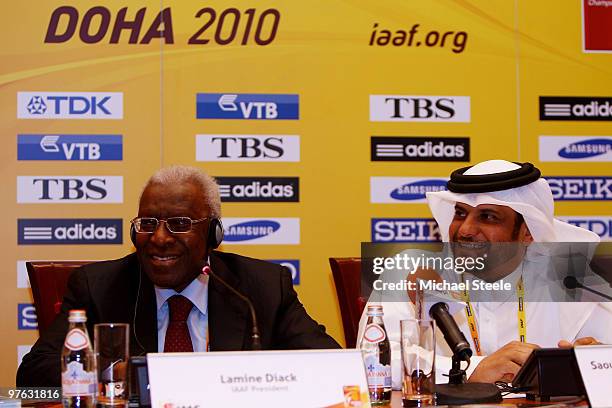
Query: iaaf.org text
[411,264]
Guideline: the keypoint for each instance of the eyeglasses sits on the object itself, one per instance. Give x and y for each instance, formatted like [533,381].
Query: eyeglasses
[176,225]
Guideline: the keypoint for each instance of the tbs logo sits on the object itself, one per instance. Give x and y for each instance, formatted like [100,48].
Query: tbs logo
[575,108]
[69,147]
[248,148]
[293,265]
[62,189]
[264,231]
[259,189]
[26,317]
[69,231]
[405,230]
[575,148]
[247,106]
[602,225]
[70,105]
[404,189]
[409,108]
[581,188]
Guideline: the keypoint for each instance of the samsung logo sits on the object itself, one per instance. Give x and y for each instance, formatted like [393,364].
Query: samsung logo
[256,231]
[69,147]
[26,317]
[69,189]
[601,225]
[293,265]
[247,106]
[61,231]
[404,189]
[419,108]
[575,108]
[405,230]
[581,188]
[70,105]
[259,189]
[575,148]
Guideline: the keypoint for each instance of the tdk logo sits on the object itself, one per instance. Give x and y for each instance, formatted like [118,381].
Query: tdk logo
[258,148]
[581,188]
[256,231]
[69,147]
[70,105]
[404,189]
[575,148]
[405,230]
[26,317]
[601,225]
[247,106]
[575,108]
[446,149]
[293,265]
[259,189]
[69,231]
[67,189]
[401,108]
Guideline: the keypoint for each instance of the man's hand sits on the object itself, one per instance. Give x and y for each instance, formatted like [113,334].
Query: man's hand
[503,364]
[583,341]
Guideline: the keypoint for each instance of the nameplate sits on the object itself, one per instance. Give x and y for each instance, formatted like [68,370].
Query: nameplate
[308,378]
[595,364]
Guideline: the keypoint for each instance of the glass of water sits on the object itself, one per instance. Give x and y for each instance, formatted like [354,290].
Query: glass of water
[111,346]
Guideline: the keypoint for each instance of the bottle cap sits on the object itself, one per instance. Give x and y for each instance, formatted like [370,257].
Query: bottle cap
[375,310]
[77,316]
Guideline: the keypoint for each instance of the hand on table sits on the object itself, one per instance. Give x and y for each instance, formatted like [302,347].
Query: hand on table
[583,341]
[503,364]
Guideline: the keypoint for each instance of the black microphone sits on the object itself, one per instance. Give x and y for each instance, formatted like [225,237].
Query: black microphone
[255,337]
[453,336]
[571,282]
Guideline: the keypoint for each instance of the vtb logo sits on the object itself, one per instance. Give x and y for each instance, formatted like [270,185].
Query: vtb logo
[410,108]
[70,105]
[69,147]
[80,189]
[247,106]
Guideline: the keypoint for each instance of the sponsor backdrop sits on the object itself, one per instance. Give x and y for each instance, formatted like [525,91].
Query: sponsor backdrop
[324,122]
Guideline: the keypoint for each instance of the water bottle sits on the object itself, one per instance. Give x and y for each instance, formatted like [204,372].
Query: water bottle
[376,352]
[79,381]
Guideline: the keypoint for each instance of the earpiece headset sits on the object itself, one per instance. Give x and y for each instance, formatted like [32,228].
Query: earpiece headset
[214,239]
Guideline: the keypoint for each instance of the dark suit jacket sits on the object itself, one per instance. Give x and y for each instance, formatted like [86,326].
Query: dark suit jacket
[117,291]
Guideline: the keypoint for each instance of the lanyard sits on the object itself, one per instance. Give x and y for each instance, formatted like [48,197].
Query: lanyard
[522,320]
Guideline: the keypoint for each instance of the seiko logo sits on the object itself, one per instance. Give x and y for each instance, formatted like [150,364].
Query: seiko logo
[278,148]
[401,108]
[26,317]
[403,189]
[259,189]
[70,105]
[581,188]
[247,106]
[575,108]
[405,230]
[420,149]
[245,231]
[293,265]
[78,189]
[69,147]
[601,225]
[69,231]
